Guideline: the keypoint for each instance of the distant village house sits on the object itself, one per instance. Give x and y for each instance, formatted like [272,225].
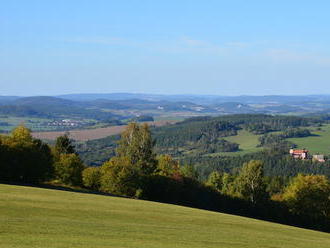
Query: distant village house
[303,154]
[299,154]
[319,158]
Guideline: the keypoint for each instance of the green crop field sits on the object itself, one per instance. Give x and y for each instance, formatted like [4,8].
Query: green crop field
[247,141]
[320,143]
[36,217]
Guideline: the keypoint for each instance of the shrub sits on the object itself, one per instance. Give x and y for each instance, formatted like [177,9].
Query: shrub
[91,177]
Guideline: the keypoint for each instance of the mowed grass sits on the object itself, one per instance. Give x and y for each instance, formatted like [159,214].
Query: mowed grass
[315,144]
[36,217]
[247,141]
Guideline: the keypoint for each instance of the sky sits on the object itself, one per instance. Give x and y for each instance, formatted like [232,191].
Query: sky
[216,47]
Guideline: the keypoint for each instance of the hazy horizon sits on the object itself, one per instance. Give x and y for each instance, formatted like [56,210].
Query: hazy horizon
[182,94]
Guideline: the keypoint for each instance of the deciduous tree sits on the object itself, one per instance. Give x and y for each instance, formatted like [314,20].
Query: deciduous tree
[91,177]
[167,166]
[309,194]
[63,145]
[23,158]
[250,182]
[68,169]
[137,145]
[215,180]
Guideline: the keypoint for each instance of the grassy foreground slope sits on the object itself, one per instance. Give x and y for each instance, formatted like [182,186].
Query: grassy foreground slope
[35,217]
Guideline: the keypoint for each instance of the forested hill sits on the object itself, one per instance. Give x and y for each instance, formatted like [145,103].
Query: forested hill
[201,136]
[205,133]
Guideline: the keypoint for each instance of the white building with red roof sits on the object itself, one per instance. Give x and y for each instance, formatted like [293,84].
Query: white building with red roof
[299,154]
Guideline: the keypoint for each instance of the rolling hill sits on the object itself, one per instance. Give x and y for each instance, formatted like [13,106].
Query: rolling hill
[36,217]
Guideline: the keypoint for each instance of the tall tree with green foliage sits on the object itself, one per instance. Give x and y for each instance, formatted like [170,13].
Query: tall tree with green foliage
[91,177]
[21,134]
[250,182]
[228,186]
[135,160]
[309,195]
[69,168]
[189,171]
[119,177]
[215,180]
[136,144]
[167,166]
[23,158]
[63,145]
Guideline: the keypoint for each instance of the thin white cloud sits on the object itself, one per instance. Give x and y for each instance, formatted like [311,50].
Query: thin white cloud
[189,45]
[290,56]
[98,40]
[186,44]
[182,44]
[237,44]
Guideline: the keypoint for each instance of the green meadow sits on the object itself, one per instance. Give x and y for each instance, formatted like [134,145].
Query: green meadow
[317,144]
[248,143]
[36,217]
[320,143]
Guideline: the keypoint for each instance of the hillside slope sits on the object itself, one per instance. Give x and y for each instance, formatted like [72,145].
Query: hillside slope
[35,217]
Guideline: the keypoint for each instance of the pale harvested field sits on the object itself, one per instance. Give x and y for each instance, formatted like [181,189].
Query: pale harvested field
[91,134]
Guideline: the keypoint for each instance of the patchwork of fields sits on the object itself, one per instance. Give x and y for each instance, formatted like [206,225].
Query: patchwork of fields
[92,134]
[8,123]
[248,142]
[35,217]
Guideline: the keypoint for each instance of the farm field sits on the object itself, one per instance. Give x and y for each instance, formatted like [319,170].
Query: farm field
[12,122]
[320,143]
[36,124]
[247,141]
[36,217]
[92,134]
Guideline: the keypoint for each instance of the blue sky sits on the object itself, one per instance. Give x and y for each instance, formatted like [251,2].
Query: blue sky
[170,47]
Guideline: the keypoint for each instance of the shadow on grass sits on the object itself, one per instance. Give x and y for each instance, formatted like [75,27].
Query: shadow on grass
[63,188]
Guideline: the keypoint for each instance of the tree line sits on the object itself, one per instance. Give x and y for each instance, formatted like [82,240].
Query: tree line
[137,171]
[198,136]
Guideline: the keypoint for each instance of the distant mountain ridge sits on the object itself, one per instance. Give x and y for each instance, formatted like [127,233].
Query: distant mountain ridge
[199,99]
[129,105]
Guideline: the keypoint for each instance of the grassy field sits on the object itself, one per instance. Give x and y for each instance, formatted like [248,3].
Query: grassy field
[320,143]
[247,141]
[247,144]
[35,217]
